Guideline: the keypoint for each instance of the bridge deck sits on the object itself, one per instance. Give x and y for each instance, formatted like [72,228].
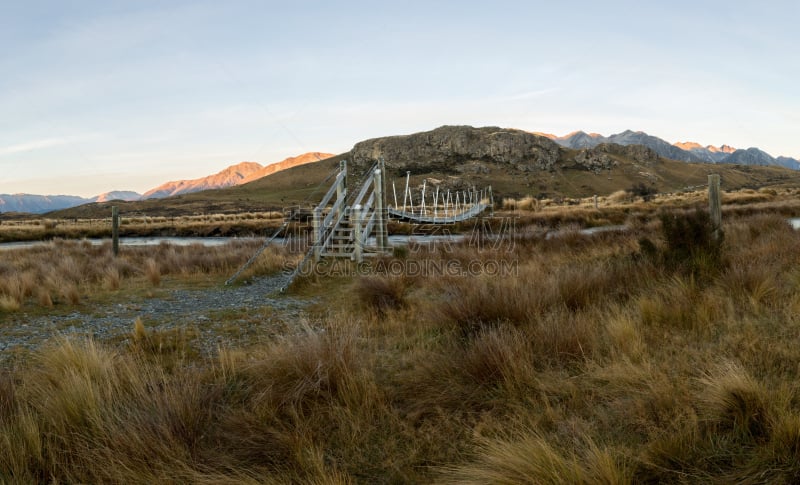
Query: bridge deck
[430,219]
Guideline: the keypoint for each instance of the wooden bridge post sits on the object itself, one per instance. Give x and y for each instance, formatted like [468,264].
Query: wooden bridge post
[380,218]
[358,241]
[436,203]
[317,231]
[341,188]
[405,194]
[422,207]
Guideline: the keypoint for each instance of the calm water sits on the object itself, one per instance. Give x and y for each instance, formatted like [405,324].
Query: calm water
[220,241]
[140,241]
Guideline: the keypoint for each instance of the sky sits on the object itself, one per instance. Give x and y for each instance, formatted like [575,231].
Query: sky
[125,95]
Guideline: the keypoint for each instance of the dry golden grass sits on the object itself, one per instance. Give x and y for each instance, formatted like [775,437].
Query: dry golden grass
[524,204]
[240,224]
[67,272]
[588,364]
[9,303]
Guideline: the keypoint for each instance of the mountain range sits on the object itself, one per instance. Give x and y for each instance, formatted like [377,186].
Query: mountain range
[683,151]
[240,173]
[245,172]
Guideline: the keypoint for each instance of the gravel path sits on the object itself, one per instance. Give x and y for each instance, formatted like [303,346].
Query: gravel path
[213,317]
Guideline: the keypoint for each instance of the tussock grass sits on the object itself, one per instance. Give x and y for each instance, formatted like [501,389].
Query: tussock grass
[67,272]
[382,294]
[589,363]
[9,303]
[532,459]
[246,224]
[734,401]
[152,271]
[524,204]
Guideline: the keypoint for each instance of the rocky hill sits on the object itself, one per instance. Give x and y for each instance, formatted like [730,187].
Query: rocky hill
[463,149]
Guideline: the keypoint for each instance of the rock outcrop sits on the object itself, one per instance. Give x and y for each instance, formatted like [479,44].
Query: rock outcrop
[456,149]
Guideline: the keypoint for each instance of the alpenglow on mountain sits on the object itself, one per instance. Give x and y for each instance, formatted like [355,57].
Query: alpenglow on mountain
[238,174]
[683,151]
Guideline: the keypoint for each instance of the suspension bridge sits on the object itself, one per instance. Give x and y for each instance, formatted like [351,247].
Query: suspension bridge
[355,225]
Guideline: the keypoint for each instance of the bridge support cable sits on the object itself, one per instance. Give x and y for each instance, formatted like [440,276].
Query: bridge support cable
[257,254]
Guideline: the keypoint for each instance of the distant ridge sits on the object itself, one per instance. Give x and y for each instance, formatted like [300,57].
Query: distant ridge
[37,204]
[126,195]
[684,151]
[233,175]
[287,163]
[709,153]
[240,173]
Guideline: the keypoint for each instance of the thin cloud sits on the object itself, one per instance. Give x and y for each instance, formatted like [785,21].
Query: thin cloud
[41,144]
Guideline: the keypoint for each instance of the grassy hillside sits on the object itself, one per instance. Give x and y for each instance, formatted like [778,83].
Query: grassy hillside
[296,185]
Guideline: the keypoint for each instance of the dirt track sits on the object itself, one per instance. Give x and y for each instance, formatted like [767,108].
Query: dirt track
[211,317]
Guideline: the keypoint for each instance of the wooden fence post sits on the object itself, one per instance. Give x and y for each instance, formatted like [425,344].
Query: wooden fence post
[115,230]
[715,205]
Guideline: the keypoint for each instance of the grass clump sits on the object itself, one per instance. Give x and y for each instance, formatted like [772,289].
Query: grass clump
[532,459]
[587,364]
[690,244]
[382,293]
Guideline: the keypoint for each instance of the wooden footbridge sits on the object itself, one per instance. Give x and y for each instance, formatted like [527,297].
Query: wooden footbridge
[354,226]
[343,227]
[443,207]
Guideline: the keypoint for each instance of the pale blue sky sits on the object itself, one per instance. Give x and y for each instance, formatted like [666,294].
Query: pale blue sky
[111,95]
